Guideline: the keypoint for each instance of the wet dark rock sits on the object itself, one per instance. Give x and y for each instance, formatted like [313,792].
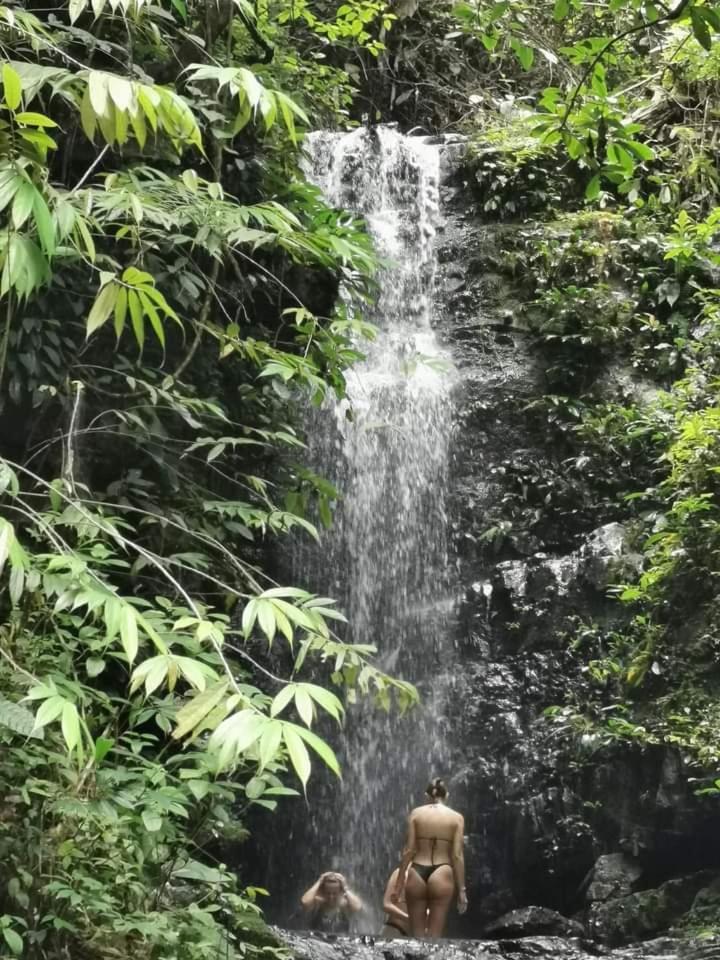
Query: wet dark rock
[312,947]
[705,909]
[528,921]
[614,875]
[707,949]
[647,912]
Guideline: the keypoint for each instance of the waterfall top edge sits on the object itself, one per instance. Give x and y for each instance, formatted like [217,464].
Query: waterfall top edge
[430,139]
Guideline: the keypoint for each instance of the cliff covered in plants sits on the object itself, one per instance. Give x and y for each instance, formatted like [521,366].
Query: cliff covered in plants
[169,285]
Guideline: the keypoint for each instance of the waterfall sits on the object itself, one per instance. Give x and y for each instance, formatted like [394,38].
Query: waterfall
[386,449]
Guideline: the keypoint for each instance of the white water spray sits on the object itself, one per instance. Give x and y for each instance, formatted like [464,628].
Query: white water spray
[386,555]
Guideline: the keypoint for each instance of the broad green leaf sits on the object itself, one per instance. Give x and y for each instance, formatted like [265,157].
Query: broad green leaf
[249,617]
[112,614]
[323,750]
[196,710]
[88,117]
[120,312]
[152,313]
[270,743]
[49,710]
[121,92]
[13,940]
[198,788]
[194,870]
[102,747]
[152,667]
[23,204]
[152,820]
[102,308]
[255,788]
[295,614]
[98,89]
[525,54]
[592,190]
[304,705]
[76,7]
[266,619]
[129,632]
[35,120]
[326,698]
[44,224]
[297,752]
[70,725]
[136,317]
[640,150]
[286,592]
[193,672]
[12,87]
[10,183]
[18,718]
[700,28]
[135,277]
[7,535]
[94,666]
[236,734]
[282,699]
[86,238]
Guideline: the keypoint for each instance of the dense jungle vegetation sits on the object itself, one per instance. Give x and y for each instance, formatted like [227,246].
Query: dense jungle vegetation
[168,283]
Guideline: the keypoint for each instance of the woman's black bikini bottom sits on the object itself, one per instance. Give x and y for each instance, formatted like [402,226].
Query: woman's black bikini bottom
[426,870]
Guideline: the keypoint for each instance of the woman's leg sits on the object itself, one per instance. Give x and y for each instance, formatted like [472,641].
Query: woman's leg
[440,891]
[416,900]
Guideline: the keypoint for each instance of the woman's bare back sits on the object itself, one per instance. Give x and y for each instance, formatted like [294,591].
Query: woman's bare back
[436,829]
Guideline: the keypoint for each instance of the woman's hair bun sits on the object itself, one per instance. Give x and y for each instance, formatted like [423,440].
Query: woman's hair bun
[436,788]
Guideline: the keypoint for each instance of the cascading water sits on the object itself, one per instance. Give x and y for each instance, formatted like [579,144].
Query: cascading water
[385,557]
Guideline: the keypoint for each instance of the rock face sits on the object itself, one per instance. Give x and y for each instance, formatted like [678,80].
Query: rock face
[529,921]
[539,808]
[643,914]
[614,875]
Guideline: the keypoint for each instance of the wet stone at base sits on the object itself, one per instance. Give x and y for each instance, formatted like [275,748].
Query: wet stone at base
[311,947]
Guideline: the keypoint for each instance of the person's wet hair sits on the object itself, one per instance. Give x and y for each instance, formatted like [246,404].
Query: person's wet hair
[436,789]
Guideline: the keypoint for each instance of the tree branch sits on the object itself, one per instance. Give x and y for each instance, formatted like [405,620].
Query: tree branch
[672,15]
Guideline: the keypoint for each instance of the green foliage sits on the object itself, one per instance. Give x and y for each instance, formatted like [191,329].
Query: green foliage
[168,283]
[621,301]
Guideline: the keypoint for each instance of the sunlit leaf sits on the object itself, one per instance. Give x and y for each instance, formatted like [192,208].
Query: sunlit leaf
[297,752]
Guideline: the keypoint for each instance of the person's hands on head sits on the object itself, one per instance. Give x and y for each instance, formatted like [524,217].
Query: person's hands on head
[341,880]
[462,904]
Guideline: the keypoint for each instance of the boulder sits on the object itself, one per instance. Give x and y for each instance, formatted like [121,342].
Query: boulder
[533,921]
[705,910]
[613,875]
[646,913]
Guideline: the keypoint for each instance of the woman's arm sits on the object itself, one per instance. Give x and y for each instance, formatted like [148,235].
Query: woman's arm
[352,900]
[308,898]
[391,909]
[458,862]
[408,854]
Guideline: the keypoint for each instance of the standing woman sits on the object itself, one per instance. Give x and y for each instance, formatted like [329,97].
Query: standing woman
[434,853]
